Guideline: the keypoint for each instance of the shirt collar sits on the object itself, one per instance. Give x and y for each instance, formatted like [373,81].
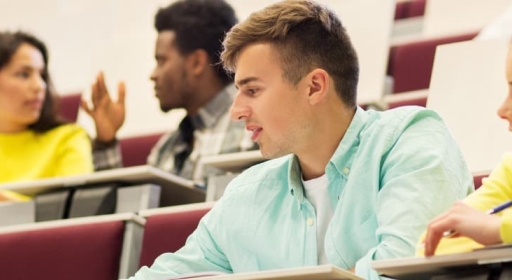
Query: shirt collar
[210,114]
[294,179]
[344,154]
[341,159]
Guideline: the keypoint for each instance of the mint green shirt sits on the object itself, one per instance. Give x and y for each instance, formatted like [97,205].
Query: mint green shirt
[391,174]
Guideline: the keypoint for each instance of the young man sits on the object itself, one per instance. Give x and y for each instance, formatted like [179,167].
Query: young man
[188,75]
[351,186]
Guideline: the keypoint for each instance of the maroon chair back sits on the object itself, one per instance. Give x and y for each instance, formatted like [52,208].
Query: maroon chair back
[166,233]
[68,106]
[401,9]
[89,251]
[416,8]
[135,150]
[411,64]
[422,101]
[477,179]
[408,9]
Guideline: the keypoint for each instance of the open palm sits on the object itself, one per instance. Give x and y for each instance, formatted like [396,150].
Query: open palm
[108,115]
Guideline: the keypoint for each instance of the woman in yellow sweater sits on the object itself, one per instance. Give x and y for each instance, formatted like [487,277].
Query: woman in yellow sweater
[468,218]
[34,144]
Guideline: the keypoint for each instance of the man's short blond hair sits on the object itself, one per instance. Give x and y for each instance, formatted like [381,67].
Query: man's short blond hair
[305,36]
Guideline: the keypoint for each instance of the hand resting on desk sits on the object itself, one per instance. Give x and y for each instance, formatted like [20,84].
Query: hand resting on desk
[466,221]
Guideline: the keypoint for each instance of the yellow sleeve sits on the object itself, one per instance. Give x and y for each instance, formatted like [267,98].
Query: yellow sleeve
[75,153]
[495,189]
[506,226]
[12,196]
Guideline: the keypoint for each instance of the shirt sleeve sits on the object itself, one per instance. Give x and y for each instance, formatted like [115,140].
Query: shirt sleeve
[74,153]
[422,175]
[495,190]
[107,156]
[506,227]
[200,253]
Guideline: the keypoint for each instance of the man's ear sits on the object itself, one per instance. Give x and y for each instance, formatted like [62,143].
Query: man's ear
[318,85]
[198,61]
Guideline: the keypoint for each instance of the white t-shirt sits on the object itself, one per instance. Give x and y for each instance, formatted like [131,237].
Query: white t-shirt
[318,195]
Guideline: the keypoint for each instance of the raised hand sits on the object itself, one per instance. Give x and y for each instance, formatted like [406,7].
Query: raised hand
[108,115]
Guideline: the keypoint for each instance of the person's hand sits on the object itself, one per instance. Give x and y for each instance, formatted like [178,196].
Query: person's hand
[465,221]
[4,198]
[108,116]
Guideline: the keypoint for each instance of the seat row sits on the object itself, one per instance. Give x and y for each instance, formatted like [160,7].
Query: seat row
[103,247]
[409,9]
[410,67]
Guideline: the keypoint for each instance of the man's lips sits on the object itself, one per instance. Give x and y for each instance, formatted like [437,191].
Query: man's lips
[157,92]
[256,131]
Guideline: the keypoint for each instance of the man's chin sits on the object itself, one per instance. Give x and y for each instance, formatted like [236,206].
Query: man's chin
[165,109]
[271,154]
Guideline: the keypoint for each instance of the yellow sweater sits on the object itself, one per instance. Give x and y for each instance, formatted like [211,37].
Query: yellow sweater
[62,151]
[495,189]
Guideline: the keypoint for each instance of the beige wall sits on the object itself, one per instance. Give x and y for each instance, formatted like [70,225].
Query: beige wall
[85,36]
[117,36]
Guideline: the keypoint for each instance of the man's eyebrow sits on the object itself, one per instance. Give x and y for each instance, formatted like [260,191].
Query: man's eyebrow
[245,81]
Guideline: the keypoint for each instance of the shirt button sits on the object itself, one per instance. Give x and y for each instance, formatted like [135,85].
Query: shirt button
[310,222]
[346,170]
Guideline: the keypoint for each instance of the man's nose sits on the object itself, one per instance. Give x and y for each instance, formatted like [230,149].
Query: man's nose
[239,110]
